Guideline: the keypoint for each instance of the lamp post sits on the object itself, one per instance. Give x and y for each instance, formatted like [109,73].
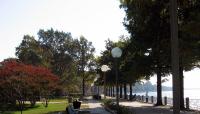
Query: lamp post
[97,76]
[104,69]
[116,53]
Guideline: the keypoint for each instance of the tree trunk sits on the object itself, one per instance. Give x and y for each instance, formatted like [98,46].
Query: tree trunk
[46,102]
[125,92]
[110,91]
[159,88]
[175,56]
[131,94]
[113,91]
[106,91]
[120,91]
[32,101]
[83,86]
[20,105]
[181,88]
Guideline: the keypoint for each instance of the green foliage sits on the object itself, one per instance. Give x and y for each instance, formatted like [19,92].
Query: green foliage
[29,51]
[108,103]
[133,65]
[148,22]
[62,54]
[85,60]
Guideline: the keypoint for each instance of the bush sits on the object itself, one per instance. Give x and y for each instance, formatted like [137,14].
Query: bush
[112,106]
[97,97]
[125,110]
[107,102]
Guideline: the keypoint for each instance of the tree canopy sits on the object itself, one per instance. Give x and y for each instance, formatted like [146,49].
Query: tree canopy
[59,51]
[21,82]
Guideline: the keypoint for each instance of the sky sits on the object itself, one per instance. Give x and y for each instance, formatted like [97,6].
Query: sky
[96,20]
[191,79]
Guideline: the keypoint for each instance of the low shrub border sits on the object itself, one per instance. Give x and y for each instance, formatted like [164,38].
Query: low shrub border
[111,107]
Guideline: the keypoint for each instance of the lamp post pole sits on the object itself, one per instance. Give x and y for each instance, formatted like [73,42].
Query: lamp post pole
[175,56]
[117,84]
[104,69]
[116,53]
[97,87]
[104,88]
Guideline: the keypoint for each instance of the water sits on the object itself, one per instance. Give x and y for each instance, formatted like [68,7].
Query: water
[191,93]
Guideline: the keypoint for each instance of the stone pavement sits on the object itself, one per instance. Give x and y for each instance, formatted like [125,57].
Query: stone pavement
[136,107]
[145,108]
[95,106]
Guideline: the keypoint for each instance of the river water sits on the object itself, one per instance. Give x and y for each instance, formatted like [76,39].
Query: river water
[191,93]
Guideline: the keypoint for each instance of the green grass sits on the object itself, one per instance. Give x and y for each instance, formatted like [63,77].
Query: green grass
[58,100]
[40,109]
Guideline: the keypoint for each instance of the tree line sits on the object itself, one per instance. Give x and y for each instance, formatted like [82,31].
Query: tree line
[147,52]
[53,64]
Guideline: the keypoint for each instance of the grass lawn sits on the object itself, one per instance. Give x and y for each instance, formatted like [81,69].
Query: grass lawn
[59,106]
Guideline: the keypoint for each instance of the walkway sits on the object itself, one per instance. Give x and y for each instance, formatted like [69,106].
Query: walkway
[95,106]
[145,108]
[136,107]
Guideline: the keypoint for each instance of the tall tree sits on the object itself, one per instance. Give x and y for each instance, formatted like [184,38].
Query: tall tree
[54,50]
[85,59]
[148,24]
[29,51]
[145,20]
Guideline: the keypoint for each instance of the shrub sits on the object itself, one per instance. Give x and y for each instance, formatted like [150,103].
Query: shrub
[97,97]
[111,105]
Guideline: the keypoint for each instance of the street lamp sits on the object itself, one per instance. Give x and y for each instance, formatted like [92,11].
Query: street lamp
[116,53]
[97,76]
[104,69]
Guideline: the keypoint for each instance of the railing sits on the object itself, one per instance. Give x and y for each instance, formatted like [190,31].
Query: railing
[193,104]
[189,103]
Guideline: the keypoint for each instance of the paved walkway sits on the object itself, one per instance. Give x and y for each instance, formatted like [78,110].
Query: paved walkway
[136,107]
[145,108]
[95,106]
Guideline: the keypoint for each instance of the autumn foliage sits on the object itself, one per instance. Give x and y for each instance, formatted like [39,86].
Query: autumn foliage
[20,82]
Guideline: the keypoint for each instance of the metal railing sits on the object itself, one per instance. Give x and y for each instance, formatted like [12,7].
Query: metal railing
[189,103]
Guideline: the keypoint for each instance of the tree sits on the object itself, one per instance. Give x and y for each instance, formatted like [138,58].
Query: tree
[148,24]
[149,29]
[133,65]
[54,50]
[29,51]
[85,59]
[20,82]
